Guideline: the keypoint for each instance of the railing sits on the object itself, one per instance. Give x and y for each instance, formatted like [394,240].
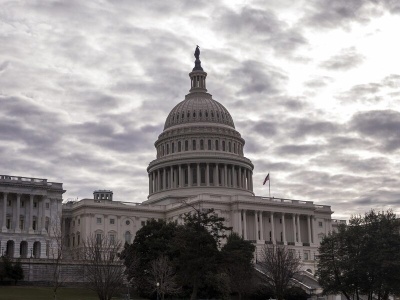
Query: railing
[306,244]
[291,243]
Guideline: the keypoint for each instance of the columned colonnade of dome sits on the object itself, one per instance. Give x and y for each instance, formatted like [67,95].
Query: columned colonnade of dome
[200,174]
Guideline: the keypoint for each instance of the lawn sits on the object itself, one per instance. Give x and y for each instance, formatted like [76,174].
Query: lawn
[44,293]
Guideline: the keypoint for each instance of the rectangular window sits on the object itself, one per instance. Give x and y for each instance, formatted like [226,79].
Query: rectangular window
[73,241]
[79,221]
[306,255]
[34,204]
[320,224]
[8,223]
[21,224]
[78,239]
[34,225]
[98,220]
[112,221]
[22,203]
[47,205]
[46,224]
[9,202]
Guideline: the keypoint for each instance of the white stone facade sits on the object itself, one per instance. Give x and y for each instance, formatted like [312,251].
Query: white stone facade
[30,214]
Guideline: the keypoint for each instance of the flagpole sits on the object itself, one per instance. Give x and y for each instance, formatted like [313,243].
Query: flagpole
[269,185]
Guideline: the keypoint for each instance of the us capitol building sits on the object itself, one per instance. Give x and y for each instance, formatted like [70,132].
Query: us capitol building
[199,163]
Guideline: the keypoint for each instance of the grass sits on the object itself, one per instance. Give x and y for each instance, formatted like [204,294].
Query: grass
[44,293]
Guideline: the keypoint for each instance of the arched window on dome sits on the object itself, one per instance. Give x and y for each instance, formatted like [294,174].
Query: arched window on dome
[209,144]
[167,149]
[186,145]
[173,147]
[194,114]
[163,150]
[217,145]
[177,117]
[223,146]
[217,115]
[201,145]
[229,147]
[188,115]
[206,114]
[234,147]
[194,145]
[179,146]
[183,115]
[212,114]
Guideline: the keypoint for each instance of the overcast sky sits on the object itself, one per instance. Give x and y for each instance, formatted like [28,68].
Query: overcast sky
[313,87]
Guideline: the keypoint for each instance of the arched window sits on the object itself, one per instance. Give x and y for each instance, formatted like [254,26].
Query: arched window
[173,147]
[212,114]
[128,237]
[229,147]
[234,147]
[201,145]
[167,149]
[223,145]
[46,224]
[217,145]
[179,146]
[186,145]
[163,150]
[209,144]
[194,145]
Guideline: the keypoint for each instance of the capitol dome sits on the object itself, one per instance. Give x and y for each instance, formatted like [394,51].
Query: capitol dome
[199,150]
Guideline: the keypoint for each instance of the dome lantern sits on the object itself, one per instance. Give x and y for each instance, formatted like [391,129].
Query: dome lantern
[197,76]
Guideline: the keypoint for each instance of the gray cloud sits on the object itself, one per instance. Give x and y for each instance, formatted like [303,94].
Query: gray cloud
[331,14]
[261,25]
[347,59]
[383,126]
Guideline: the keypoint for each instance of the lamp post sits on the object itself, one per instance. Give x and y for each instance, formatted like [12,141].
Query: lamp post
[158,285]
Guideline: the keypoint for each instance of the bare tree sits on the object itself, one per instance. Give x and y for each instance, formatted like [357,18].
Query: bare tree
[57,247]
[279,265]
[104,269]
[163,277]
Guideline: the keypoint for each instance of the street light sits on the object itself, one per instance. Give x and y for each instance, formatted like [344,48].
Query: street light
[157,284]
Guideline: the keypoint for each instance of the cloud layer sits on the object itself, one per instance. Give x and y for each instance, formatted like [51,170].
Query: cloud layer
[85,88]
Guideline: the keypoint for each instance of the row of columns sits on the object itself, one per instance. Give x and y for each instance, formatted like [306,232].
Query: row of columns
[181,175]
[41,217]
[259,228]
